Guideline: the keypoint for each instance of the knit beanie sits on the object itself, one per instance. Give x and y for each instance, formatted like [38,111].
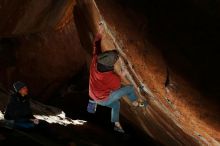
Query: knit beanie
[18,85]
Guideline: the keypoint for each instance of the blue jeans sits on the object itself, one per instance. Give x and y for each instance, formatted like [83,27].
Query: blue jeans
[114,103]
[24,124]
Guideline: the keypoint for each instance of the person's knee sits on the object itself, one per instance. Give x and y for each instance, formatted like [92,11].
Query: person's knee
[130,89]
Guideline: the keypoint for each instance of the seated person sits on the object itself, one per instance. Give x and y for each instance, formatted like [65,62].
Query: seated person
[18,109]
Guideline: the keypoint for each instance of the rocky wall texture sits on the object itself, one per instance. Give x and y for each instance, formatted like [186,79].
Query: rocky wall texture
[45,60]
[45,43]
[175,115]
[24,16]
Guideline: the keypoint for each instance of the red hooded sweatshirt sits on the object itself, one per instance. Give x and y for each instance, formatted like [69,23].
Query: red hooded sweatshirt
[101,84]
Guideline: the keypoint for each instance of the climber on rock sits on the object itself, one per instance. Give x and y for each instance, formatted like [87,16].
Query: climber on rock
[18,109]
[108,82]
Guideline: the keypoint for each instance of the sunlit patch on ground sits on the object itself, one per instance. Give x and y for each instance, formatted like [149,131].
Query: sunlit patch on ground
[59,119]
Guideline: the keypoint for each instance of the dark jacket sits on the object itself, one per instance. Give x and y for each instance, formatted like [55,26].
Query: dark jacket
[18,108]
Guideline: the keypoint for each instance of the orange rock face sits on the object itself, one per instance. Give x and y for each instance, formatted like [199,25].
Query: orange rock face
[178,113]
[44,60]
[24,17]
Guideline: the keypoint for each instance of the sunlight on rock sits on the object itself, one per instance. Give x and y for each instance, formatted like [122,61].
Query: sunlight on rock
[60,119]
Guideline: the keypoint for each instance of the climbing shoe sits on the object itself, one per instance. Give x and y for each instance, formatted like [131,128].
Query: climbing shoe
[142,104]
[119,129]
[139,104]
